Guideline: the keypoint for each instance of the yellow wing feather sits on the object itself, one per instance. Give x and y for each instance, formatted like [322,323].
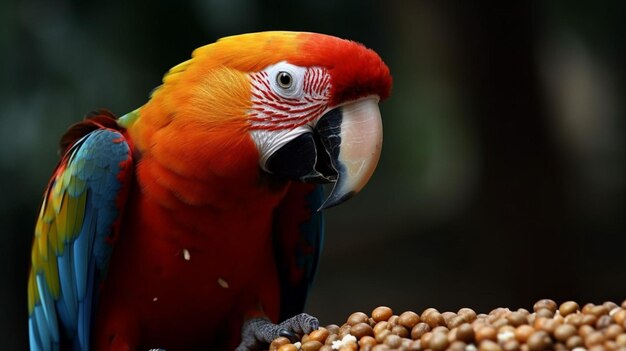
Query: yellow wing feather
[60,220]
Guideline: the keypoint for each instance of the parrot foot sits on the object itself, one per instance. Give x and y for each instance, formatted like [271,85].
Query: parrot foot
[258,332]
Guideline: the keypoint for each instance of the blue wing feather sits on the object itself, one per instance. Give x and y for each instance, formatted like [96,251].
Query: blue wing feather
[298,241]
[70,250]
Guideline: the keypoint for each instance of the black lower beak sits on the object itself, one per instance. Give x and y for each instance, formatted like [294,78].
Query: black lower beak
[302,159]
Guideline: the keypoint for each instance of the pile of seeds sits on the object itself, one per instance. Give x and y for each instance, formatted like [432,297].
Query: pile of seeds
[548,327]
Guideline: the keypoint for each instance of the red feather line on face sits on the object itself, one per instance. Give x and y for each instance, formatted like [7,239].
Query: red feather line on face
[271,111]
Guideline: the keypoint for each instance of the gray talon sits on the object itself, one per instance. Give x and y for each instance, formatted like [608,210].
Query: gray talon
[289,335]
[258,332]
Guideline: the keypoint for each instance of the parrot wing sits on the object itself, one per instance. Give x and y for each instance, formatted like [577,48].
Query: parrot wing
[75,232]
[298,239]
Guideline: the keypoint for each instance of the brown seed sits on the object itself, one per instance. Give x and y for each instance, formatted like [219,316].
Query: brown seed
[545,303]
[311,345]
[428,311]
[415,345]
[418,330]
[506,333]
[587,307]
[575,319]
[594,338]
[332,328]
[344,330]
[620,316]
[479,323]
[538,341]
[621,340]
[452,334]
[288,347]
[367,341]
[278,342]
[500,322]
[597,348]
[393,320]
[564,331]
[440,329]
[380,326]
[465,333]
[408,319]
[331,338]
[488,345]
[546,324]
[380,337]
[434,319]
[506,328]
[439,341]
[356,318]
[589,319]
[382,313]
[319,335]
[456,321]
[457,346]
[381,347]
[544,312]
[531,318]
[499,312]
[361,329]
[425,340]
[613,331]
[574,341]
[568,307]
[349,347]
[393,341]
[486,333]
[326,348]
[447,317]
[511,345]
[610,305]
[623,304]
[599,310]
[559,347]
[603,322]
[585,330]
[468,314]
[516,319]
[610,345]
[400,331]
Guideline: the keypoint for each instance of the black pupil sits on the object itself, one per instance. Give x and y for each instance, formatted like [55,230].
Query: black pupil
[284,79]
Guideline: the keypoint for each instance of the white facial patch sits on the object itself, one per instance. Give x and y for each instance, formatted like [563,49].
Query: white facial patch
[287,101]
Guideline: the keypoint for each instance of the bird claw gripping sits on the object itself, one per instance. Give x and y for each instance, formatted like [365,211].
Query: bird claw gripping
[258,332]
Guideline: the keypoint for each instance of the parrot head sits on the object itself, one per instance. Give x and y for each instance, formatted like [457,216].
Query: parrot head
[307,101]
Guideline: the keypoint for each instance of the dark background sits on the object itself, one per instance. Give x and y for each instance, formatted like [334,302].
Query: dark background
[503,171]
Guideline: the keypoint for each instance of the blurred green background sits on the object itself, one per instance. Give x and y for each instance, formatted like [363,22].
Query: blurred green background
[503,168]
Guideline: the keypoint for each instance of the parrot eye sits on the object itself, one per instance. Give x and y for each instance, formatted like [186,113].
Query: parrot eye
[284,80]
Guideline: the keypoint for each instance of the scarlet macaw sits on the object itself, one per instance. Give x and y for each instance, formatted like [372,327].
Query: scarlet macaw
[194,221]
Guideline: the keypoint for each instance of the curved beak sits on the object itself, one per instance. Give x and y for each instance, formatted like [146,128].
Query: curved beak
[352,136]
[343,147]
